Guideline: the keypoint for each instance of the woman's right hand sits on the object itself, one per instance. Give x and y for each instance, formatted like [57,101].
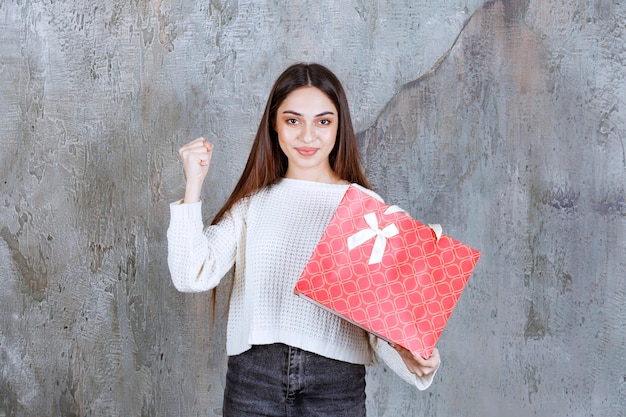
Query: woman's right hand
[196,158]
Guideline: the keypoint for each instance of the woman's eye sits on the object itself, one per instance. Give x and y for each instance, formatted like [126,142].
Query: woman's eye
[324,122]
[292,121]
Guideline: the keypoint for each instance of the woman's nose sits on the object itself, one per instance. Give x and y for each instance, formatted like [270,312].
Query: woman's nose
[308,134]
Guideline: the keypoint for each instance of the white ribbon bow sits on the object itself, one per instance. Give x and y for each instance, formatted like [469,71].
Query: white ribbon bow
[366,234]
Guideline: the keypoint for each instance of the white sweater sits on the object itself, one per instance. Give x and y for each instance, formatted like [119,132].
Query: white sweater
[269,238]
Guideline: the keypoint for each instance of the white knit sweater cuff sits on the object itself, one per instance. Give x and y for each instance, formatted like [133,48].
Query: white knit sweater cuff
[394,361]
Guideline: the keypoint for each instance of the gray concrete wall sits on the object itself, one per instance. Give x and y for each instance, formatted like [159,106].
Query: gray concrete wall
[505,121]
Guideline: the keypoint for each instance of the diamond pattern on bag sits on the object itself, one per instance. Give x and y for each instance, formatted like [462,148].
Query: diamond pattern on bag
[404,293]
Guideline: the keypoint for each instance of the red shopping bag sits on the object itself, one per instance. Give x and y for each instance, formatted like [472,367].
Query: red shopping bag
[386,272]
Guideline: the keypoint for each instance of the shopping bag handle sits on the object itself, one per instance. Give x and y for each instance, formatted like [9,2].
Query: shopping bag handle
[436,230]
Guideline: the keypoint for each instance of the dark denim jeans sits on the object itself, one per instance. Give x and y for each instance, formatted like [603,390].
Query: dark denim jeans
[279,380]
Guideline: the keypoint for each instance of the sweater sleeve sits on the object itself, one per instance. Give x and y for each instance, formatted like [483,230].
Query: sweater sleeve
[198,257]
[393,359]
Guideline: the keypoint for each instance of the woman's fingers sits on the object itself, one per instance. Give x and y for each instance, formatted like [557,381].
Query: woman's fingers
[208,145]
[198,147]
[196,157]
[418,365]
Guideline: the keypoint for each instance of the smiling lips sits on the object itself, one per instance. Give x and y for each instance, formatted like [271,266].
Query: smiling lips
[306,151]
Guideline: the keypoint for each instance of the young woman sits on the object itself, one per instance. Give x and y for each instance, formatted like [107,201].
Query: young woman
[286,355]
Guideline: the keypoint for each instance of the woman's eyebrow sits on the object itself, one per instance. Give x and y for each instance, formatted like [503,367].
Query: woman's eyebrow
[295,113]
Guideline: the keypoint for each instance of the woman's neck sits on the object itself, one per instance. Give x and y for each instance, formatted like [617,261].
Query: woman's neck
[327,177]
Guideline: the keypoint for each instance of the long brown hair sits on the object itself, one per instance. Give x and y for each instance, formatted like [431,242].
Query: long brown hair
[267,163]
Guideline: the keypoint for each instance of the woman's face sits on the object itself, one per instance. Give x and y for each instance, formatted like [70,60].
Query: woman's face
[306,124]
